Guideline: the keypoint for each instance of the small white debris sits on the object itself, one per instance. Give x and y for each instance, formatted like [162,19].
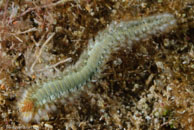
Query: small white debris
[48,126]
[148,118]
[117,62]
[36,127]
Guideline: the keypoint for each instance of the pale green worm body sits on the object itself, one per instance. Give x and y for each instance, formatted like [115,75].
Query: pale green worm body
[36,103]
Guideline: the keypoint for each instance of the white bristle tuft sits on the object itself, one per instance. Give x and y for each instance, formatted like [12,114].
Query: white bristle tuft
[26,116]
[47,107]
[53,107]
[37,118]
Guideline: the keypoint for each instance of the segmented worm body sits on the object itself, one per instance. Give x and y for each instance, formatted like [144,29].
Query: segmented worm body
[37,101]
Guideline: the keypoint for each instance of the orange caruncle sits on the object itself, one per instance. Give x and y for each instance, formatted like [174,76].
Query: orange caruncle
[28,105]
